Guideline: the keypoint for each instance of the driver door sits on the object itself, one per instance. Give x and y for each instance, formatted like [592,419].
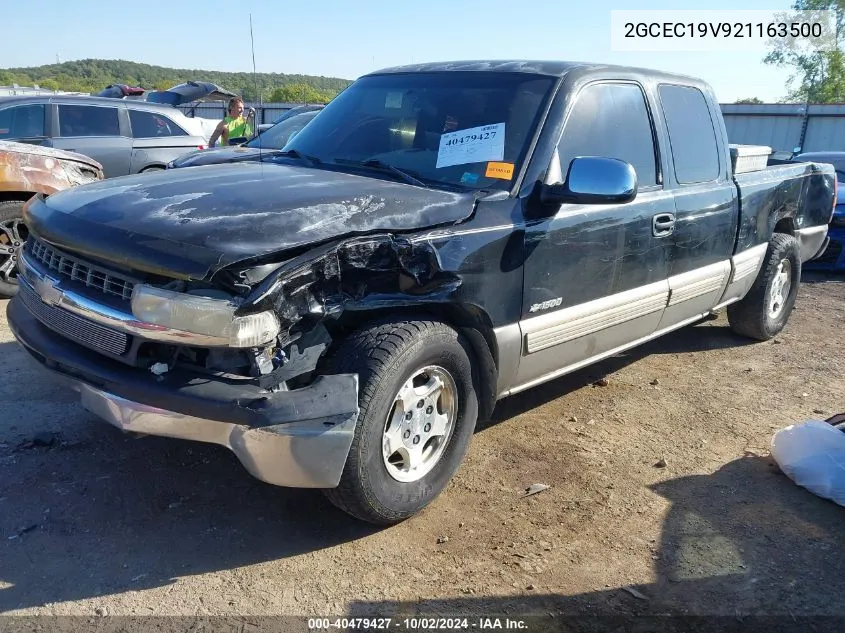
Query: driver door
[596,275]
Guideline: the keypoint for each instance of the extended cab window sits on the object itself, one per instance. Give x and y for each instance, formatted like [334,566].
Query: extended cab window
[24,121]
[691,133]
[80,120]
[611,120]
[153,125]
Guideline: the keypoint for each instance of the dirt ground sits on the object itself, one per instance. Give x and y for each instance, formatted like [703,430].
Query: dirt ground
[126,525]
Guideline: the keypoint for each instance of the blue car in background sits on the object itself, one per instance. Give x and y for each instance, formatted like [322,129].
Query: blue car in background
[833,259]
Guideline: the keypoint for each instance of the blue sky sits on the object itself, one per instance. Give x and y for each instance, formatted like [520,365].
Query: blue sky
[349,38]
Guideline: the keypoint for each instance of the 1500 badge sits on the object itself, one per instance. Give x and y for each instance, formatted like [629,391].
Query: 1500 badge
[551,303]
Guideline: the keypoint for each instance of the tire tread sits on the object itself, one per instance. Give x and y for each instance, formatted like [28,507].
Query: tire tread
[369,352]
[748,316]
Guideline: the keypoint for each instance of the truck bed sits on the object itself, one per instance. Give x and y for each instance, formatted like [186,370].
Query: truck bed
[777,193]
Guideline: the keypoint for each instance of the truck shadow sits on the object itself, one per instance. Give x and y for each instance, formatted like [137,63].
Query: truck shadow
[741,541]
[99,512]
[704,336]
[88,511]
[821,277]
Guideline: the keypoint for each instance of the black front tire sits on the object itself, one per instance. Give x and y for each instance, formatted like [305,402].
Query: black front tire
[753,315]
[385,355]
[12,230]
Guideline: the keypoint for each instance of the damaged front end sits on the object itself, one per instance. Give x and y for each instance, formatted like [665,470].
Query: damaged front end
[274,323]
[238,360]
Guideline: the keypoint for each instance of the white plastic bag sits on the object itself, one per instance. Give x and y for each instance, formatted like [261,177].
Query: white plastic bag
[812,454]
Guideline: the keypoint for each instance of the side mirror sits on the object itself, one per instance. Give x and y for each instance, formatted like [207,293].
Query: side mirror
[594,180]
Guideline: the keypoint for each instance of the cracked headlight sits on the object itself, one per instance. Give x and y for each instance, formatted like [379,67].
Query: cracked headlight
[203,316]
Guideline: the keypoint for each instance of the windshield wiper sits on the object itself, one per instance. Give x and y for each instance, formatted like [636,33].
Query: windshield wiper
[382,166]
[295,153]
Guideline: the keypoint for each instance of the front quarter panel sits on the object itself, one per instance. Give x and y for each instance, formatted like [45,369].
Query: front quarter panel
[32,173]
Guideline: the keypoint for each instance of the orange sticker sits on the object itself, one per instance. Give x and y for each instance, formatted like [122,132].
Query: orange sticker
[499,170]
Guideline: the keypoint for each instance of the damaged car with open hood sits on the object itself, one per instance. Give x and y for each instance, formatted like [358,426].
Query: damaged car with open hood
[340,312]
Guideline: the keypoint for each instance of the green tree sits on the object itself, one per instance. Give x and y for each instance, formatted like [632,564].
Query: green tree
[92,75]
[818,75]
[749,100]
[300,93]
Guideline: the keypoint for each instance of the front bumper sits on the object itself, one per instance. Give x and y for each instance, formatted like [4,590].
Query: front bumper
[298,438]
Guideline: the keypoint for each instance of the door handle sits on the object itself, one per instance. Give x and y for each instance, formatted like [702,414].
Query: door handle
[663,224]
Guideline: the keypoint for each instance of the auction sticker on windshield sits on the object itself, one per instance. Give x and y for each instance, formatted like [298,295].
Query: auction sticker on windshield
[503,171]
[473,145]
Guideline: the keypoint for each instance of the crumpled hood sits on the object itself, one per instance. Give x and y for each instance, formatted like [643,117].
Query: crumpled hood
[190,223]
[48,152]
[216,156]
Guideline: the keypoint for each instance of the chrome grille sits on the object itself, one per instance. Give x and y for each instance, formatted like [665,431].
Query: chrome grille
[75,269]
[72,326]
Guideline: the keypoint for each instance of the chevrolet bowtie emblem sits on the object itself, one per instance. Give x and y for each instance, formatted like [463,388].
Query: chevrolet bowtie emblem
[46,289]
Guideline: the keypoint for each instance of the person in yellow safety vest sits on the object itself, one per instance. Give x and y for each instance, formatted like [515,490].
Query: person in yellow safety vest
[234,125]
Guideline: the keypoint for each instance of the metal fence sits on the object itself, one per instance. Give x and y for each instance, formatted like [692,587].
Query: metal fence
[264,112]
[787,127]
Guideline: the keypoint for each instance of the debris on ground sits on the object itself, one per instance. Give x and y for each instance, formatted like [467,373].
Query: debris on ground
[812,454]
[442,539]
[533,489]
[41,439]
[661,463]
[635,593]
[601,382]
[655,382]
[23,531]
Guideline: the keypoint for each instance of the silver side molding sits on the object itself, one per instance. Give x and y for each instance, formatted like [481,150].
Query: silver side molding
[696,283]
[561,326]
[746,265]
[598,357]
[695,292]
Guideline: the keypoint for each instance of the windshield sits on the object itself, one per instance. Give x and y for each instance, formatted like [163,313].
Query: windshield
[276,136]
[455,128]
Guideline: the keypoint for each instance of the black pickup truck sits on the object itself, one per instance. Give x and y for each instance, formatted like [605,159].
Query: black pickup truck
[341,312]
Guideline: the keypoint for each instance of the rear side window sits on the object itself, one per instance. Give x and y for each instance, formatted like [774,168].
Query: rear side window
[611,120]
[153,125]
[80,120]
[692,135]
[24,121]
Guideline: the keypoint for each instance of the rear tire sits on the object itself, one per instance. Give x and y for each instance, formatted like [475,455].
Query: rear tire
[12,236]
[764,311]
[407,444]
